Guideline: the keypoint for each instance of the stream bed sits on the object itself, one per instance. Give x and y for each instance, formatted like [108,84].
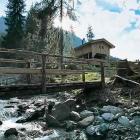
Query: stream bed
[28,118]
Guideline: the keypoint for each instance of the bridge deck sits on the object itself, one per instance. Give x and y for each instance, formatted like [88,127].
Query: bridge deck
[50,86]
[42,65]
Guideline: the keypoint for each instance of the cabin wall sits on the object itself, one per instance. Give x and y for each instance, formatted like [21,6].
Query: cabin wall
[84,50]
[91,50]
[100,48]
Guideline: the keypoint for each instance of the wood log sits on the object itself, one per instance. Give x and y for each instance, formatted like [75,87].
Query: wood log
[124,69]
[127,81]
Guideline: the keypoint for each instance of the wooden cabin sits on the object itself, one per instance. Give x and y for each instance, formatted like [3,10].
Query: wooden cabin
[99,49]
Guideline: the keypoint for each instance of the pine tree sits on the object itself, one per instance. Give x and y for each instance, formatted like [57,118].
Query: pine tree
[15,24]
[90,34]
[31,21]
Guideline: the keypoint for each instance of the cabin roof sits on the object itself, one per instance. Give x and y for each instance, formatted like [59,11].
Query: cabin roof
[96,41]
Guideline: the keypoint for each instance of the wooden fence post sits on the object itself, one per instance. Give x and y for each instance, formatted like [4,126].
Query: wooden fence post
[28,65]
[102,74]
[43,84]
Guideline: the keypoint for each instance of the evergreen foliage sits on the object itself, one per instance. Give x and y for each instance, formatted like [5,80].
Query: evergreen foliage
[31,21]
[90,34]
[15,24]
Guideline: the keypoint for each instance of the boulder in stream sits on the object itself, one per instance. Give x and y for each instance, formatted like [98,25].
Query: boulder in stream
[86,121]
[75,116]
[11,131]
[111,109]
[124,121]
[62,111]
[98,131]
[108,116]
[52,121]
[70,125]
[0,122]
[30,116]
[86,113]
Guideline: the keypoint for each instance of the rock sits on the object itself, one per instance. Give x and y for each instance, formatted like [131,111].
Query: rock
[22,109]
[33,134]
[50,107]
[124,121]
[0,122]
[38,104]
[62,110]
[32,116]
[86,113]
[75,116]
[113,126]
[80,135]
[97,130]
[108,116]
[118,115]
[70,125]
[134,109]
[137,113]
[111,109]
[13,102]
[23,129]
[86,121]
[9,106]
[52,121]
[136,120]
[94,110]
[11,131]
[103,128]
[99,120]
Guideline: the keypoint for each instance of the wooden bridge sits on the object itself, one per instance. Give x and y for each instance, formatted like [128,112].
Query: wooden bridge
[31,63]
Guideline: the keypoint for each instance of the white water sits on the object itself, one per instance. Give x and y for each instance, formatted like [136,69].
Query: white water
[8,116]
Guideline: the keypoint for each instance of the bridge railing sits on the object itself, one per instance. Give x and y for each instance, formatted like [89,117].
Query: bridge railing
[46,64]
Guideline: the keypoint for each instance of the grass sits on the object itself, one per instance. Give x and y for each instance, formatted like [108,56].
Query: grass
[91,76]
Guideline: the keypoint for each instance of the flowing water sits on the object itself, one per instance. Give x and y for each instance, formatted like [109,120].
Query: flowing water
[31,130]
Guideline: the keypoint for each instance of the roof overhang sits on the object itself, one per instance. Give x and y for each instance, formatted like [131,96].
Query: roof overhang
[96,41]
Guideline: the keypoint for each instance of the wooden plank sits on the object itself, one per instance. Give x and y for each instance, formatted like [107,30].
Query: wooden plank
[4,50]
[127,80]
[91,61]
[9,91]
[10,70]
[65,71]
[2,60]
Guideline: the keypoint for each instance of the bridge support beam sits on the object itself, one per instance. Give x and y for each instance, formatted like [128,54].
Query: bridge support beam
[83,75]
[43,84]
[28,65]
[102,74]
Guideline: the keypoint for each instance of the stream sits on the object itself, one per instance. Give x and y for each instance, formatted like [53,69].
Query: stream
[27,118]
[30,130]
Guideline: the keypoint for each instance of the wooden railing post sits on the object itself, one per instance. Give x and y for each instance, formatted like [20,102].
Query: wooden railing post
[83,75]
[28,65]
[43,84]
[102,74]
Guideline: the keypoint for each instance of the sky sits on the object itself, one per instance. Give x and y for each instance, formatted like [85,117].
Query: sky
[118,21]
